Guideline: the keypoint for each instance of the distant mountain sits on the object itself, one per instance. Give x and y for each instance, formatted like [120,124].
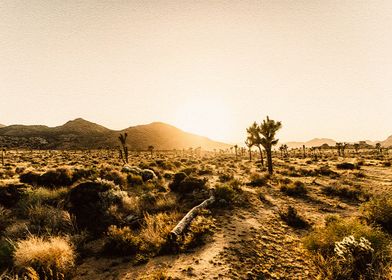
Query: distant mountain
[2,125]
[316,142]
[387,142]
[82,134]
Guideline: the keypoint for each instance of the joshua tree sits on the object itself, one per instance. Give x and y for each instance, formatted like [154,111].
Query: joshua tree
[268,129]
[304,150]
[249,144]
[339,148]
[124,148]
[235,149]
[356,147]
[2,155]
[151,149]
[378,148]
[255,139]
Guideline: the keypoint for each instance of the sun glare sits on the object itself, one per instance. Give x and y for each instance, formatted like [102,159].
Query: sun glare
[206,117]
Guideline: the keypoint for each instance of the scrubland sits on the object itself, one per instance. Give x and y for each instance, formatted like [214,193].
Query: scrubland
[86,215]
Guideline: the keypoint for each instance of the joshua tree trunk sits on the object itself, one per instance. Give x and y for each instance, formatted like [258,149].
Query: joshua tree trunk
[269,160]
[250,155]
[261,155]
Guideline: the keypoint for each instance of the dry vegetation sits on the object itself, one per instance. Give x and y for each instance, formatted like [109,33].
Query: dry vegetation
[86,215]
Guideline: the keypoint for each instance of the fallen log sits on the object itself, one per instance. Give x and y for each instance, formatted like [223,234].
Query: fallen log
[187,219]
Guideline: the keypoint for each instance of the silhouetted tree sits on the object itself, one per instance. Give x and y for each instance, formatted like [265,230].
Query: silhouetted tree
[151,149]
[267,130]
[249,144]
[255,139]
[124,150]
[356,147]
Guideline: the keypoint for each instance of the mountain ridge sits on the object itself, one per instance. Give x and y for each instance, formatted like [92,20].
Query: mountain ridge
[82,134]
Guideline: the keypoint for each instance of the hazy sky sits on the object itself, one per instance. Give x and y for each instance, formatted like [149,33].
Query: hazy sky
[324,68]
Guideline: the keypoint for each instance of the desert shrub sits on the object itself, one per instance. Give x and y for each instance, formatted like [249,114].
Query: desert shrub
[134,180]
[349,193]
[49,220]
[10,194]
[59,177]
[113,175]
[297,189]
[324,243]
[84,173]
[199,230]
[30,177]
[386,163]
[347,166]
[225,177]
[5,218]
[189,170]
[91,201]
[41,196]
[6,251]
[225,192]
[325,170]
[359,174]
[185,184]
[379,211]
[121,241]
[293,219]
[166,203]
[257,180]
[51,259]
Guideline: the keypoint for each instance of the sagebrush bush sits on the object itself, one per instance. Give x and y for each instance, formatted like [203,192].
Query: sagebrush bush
[51,258]
[322,243]
[379,211]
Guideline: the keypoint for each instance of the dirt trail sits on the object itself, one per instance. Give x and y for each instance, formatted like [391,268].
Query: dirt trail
[250,243]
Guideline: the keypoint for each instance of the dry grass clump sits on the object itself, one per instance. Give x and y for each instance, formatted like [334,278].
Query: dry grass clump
[51,259]
[49,220]
[156,229]
[41,196]
[297,189]
[323,243]
[122,241]
[379,211]
[349,193]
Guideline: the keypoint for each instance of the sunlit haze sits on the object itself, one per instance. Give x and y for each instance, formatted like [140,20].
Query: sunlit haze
[323,68]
